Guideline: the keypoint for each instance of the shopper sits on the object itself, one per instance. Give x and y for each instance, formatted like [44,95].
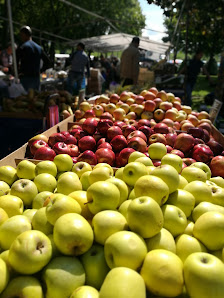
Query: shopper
[6,59]
[129,66]
[79,63]
[29,55]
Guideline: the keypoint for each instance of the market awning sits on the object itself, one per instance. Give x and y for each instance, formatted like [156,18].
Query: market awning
[119,41]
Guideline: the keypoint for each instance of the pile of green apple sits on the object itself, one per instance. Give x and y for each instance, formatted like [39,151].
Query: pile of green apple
[74,230]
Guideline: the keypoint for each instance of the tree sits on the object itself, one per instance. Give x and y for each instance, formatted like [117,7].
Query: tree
[56,17]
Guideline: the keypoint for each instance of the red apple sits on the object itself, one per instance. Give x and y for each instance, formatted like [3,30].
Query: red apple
[87,143]
[74,150]
[97,136]
[188,160]
[44,153]
[177,152]
[103,125]
[61,148]
[144,122]
[150,106]
[88,156]
[106,115]
[217,166]
[77,133]
[105,145]
[127,129]
[89,114]
[137,144]
[184,142]
[113,131]
[124,96]
[149,96]
[161,128]
[139,99]
[65,133]
[171,138]
[206,136]
[168,122]
[90,125]
[157,138]
[105,155]
[137,133]
[156,162]
[203,153]
[205,125]
[124,155]
[114,98]
[132,122]
[148,131]
[74,159]
[198,141]
[101,141]
[36,145]
[157,101]
[118,143]
[70,139]
[79,114]
[56,137]
[169,148]
[196,132]
[216,147]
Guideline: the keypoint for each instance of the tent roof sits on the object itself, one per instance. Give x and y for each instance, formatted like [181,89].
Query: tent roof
[119,41]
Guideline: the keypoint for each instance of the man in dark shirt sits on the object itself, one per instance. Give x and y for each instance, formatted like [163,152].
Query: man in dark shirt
[79,61]
[29,56]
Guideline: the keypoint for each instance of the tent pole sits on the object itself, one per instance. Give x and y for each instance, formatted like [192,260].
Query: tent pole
[12,40]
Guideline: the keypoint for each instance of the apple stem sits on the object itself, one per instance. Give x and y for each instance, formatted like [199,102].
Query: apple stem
[88,202]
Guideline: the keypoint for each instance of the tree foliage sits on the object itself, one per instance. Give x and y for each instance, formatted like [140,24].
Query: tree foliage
[69,22]
[206,23]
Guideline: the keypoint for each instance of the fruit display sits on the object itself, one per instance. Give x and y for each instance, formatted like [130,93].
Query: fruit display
[75,230]
[117,205]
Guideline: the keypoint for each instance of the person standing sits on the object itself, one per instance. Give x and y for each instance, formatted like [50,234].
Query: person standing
[79,61]
[6,59]
[129,66]
[29,55]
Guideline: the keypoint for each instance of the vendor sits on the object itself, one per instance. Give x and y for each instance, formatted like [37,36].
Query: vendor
[29,55]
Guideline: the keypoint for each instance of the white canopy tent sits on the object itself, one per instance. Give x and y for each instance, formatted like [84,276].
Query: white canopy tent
[119,41]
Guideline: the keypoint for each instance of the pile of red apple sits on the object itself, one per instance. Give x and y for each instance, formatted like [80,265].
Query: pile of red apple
[113,127]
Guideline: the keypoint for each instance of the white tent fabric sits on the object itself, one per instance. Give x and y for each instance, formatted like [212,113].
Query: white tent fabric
[119,41]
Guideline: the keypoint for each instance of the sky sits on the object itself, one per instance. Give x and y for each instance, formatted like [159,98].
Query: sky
[154,20]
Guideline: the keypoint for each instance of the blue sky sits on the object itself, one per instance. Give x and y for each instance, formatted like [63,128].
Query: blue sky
[154,20]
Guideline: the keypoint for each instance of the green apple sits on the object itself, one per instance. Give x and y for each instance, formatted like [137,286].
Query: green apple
[119,173]
[55,251]
[81,197]
[102,195]
[85,292]
[59,174]
[194,174]
[217,253]
[60,205]
[204,275]
[182,182]
[45,182]
[8,174]
[132,195]
[186,245]
[103,164]
[4,273]
[175,220]
[157,150]
[133,171]
[81,167]
[3,216]
[41,223]
[62,276]
[40,198]
[84,179]
[217,195]
[73,234]
[106,223]
[163,240]
[95,266]
[200,190]
[203,167]
[218,181]
[47,167]
[68,182]
[189,228]
[26,169]
[123,209]
[11,228]
[169,175]
[162,272]
[144,217]
[4,188]
[134,155]
[30,252]
[145,160]
[99,174]
[182,199]
[29,213]
[122,186]
[125,249]
[63,162]
[204,207]
[121,282]
[23,286]
[152,186]
[25,189]
[150,169]
[209,229]
[172,160]
[12,205]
